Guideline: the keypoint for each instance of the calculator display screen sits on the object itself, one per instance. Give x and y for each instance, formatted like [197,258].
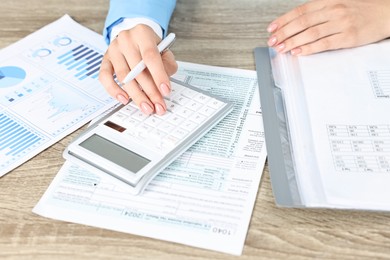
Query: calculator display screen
[115,153]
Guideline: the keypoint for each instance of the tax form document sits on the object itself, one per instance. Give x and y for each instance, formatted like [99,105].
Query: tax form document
[48,89]
[203,199]
[347,99]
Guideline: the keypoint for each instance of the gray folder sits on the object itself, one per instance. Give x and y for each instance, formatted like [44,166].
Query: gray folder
[280,157]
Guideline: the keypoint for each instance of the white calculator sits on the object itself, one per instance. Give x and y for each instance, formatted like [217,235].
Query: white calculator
[134,147]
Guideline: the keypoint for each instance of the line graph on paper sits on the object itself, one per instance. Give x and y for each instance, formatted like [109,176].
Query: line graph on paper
[56,108]
[380,83]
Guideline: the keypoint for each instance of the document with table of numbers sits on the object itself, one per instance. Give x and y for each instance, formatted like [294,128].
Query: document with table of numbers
[203,199]
[332,119]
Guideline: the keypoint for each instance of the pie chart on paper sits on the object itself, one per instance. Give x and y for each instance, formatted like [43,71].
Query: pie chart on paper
[11,76]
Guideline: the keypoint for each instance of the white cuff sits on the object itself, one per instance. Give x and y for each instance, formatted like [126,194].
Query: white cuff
[129,23]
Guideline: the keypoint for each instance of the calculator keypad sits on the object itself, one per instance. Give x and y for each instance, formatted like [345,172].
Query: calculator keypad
[187,110]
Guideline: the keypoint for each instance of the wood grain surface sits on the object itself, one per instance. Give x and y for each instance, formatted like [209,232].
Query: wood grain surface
[216,32]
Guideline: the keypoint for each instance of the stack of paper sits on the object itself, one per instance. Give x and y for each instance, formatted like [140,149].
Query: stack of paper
[332,112]
[204,199]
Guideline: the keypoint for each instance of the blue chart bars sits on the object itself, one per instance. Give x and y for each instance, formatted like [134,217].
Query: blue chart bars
[14,138]
[83,60]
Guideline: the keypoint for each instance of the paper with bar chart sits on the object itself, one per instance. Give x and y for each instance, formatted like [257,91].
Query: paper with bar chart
[48,89]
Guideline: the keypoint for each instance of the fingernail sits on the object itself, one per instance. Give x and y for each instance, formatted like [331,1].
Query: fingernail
[165,90]
[160,110]
[272,41]
[146,108]
[122,99]
[272,27]
[296,51]
[280,47]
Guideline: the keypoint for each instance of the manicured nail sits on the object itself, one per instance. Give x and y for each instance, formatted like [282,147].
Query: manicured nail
[165,90]
[122,99]
[146,108]
[272,27]
[272,41]
[160,110]
[280,47]
[296,51]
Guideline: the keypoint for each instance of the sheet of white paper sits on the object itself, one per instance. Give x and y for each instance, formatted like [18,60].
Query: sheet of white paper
[48,89]
[348,101]
[204,199]
[286,74]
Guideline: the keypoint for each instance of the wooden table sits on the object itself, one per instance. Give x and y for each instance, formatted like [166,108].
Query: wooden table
[219,32]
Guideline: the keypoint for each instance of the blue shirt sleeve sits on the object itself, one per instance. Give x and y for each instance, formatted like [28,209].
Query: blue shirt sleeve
[160,11]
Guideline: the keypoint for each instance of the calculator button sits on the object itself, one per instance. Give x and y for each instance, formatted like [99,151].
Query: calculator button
[143,130]
[128,110]
[179,133]
[215,103]
[139,115]
[151,142]
[193,105]
[155,138]
[130,123]
[164,116]
[169,142]
[175,120]
[198,118]
[171,106]
[118,117]
[157,134]
[166,127]
[132,132]
[153,121]
[190,93]
[207,111]
[201,98]
[175,89]
[184,112]
[189,126]
[181,100]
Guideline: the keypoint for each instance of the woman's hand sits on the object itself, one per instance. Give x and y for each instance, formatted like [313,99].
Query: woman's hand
[125,52]
[321,25]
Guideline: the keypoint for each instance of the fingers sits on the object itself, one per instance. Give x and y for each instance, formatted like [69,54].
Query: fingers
[294,14]
[149,87]
[303,43]
[330,42]
[154,63]
[297,27]
[115,63]
[306,29]
[140,97]
[106,78]
[170,64]
[153,80]
[322,25]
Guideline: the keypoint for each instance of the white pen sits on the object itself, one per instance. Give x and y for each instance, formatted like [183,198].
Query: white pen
[162,46]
